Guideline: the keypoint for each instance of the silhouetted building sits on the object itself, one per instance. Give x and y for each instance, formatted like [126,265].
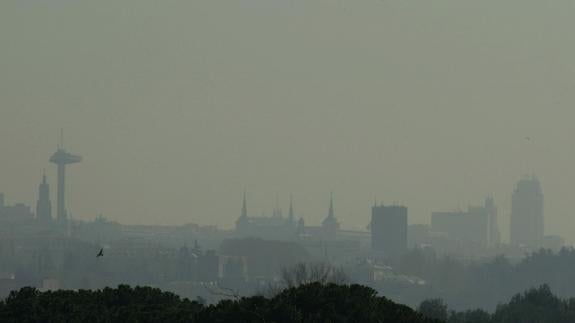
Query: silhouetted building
[62,158]
[243,222]
[527,226]
[471,226]
[389,230]
[17,211]
[330,225]
[43,205]
[275,226]
[291,216]
[494,237]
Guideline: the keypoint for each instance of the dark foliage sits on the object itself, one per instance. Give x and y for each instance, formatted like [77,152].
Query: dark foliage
[469,285]
[434,308]
[307,303]
[537,305]
[122,304]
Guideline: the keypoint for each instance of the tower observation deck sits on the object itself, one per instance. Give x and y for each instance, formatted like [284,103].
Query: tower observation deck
[62,158]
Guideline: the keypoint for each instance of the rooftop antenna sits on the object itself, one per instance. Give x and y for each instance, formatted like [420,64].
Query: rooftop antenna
[61,138]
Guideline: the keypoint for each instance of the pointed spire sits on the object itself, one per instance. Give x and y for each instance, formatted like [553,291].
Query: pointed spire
[331,212]
[330,223]
[244,207]
[291,215]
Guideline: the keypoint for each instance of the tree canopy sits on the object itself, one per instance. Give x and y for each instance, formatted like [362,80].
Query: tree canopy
[313,302]
[537,305]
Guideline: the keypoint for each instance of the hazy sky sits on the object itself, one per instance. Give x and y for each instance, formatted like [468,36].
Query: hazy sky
[177,106]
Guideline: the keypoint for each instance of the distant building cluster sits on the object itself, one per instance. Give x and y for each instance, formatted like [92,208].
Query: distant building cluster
[474,231]
[51,250]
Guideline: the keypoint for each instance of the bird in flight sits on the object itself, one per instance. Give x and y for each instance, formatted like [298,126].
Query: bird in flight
[101,253]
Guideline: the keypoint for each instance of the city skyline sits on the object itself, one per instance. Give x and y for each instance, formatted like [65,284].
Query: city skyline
[287,160]
[174,108]
[481,217]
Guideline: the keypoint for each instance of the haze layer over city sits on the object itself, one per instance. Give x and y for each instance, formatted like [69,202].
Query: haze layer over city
[179,108]
[415,152]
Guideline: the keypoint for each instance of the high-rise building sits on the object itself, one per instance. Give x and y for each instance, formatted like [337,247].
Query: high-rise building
[527,226]
[43,205]
[389,230]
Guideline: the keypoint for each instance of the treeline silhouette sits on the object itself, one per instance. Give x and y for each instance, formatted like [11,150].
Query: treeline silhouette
[313,302]
[483,284]
[537,305]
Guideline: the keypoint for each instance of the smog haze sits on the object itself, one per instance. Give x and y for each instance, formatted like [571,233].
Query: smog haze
[178,107]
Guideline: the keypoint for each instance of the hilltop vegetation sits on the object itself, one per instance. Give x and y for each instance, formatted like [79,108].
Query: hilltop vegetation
[313,302]
[537,305]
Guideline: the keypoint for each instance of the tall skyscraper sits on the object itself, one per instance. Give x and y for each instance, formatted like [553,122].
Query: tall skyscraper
[43,205]
[389,230]
[527,226]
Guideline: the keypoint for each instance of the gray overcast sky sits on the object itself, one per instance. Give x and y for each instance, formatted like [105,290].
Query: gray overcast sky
[177,106]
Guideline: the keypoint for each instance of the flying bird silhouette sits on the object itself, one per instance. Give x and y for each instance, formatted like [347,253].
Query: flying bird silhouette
[101,253]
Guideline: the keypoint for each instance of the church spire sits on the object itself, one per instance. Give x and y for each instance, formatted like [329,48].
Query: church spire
[291,215]
[330,225]
[330,212]
[244,207]
[242,222]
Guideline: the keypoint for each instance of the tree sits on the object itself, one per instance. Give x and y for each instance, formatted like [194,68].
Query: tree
[306,273]
[433,308]
[313,302]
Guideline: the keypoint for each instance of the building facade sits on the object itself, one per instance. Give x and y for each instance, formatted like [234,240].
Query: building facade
[527,227]
[43,205]
[389,230]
